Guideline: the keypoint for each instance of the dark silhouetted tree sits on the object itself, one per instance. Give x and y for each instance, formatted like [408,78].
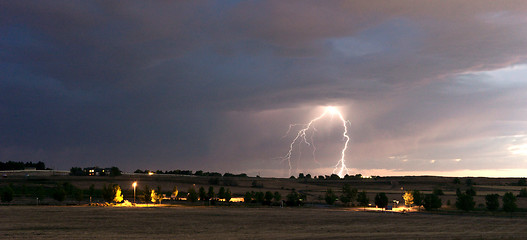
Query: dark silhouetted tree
[247,198]
[59,193]
[438,192]
[492,201]
[471,191]
[210,193]
[221,193]
[192,195]
[457,181]
[348,194]
[431,202]
[7,194]
[418,198]
[522,182]
[268,197]
[523,192]
[293,198]
[202,194]
[114,172]
[363,199]
[509,202]
[227,195]
[381,200]
[465,202]
[147,194]
[330,196]
[277,196]
[259,197]
[77,171]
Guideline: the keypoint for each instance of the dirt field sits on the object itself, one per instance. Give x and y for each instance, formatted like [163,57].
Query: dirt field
[82,222]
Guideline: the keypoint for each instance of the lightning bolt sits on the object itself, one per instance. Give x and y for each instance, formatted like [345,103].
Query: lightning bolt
[301,136]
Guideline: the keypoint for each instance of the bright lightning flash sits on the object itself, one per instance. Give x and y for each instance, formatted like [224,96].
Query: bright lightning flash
[301,136]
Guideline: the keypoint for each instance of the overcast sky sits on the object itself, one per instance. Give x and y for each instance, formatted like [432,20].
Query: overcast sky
[428,87]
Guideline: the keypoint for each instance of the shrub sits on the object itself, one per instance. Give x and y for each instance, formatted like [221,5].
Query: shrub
[523,192]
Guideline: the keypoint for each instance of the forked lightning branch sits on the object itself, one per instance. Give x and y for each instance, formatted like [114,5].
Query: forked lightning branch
[309,128]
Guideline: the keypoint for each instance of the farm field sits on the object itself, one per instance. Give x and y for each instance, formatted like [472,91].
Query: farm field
[84,222]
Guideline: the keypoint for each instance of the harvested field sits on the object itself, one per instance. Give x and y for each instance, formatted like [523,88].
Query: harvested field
[83,222]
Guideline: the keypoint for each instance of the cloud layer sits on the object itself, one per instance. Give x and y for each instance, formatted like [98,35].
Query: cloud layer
[214,85]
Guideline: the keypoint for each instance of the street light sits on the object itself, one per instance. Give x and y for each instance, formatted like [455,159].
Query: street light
[134,185]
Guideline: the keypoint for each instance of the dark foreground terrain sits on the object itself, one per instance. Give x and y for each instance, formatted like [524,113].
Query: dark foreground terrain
[195,222]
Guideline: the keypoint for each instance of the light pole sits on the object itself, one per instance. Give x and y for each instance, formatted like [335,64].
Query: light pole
[134,185]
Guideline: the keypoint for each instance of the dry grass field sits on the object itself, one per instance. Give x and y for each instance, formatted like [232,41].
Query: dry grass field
[176,222]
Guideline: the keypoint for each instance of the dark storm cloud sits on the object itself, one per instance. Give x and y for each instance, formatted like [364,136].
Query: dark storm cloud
[104,82]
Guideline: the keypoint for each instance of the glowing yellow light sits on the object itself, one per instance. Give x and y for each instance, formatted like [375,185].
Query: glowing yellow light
[150,173]
[134,184]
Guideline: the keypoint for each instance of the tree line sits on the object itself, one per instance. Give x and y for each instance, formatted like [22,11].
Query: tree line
[11,165]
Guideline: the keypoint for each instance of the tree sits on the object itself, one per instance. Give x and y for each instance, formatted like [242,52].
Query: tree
[147,194]
[363,199]
[79,195]
[248,197]
[431,201]
[509,202]
[522,182]
[293,198]
[418,198]
[210,193]
[330,196]
[155,197]
[227,195]
[114,171]
[268,197]
[7,194]
[408,198]
[76,171]
[471,191]
[175,192]
[438,192]
[118,196]
[348,194]
[457,180]
[259,197]
[59,194]
[277,196]
[221,193]
[381,200]
[91,191]
[465,202]
[202,194]
[192,195]
[523,192]
[492,202]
